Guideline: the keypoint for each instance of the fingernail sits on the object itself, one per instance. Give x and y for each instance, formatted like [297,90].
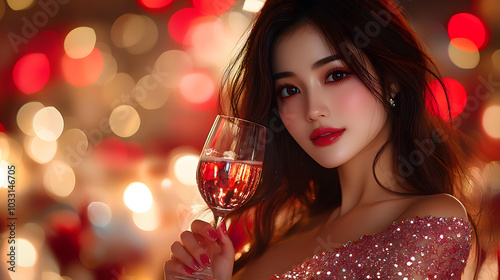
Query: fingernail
[204,259]
[188,270]
[223,227]
[196,265]
[212,233]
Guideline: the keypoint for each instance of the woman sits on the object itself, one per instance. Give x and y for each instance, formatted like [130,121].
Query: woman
[360,179]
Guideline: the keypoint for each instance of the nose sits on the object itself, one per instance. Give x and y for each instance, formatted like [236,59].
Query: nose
[316,108]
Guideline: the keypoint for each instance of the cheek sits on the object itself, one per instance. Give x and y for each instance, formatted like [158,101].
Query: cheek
[289,112]
[364,109]
[357,102]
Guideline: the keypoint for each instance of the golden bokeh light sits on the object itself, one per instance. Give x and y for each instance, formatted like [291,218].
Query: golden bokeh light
[15,154]
[122,31]
[109,69]
[149,36]
[253,6]
[185,169]
[26,252]
[171,66]
[124,121]
[121,84]
[4,169]
[99,214]
[149,220]
[80,42]
[40,150]
[138,197]
[73,145]
[136,33]
[24,177]
[150,93]
[59,179]
[35,233]
[491,121]
[463,53]
[18,5]
[4,146]
[48,124]
[25,116]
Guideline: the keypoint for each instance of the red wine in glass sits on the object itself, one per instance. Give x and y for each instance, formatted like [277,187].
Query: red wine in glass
[227,184]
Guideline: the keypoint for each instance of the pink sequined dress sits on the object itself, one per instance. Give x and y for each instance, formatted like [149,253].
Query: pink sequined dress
[417,248]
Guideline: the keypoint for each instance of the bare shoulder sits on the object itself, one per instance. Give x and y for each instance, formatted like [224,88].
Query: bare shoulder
[437,205]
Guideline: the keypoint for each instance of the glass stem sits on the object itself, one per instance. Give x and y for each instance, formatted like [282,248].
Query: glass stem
[217,218]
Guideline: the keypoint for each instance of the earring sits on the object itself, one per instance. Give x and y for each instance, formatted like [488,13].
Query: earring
[391,101]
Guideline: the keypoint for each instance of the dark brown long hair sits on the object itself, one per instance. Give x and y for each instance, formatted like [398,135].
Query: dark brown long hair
[428,155]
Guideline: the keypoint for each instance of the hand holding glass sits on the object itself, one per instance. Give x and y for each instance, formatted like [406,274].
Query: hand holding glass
[230,168]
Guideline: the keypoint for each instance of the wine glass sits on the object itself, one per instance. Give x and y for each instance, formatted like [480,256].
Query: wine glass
[229,169]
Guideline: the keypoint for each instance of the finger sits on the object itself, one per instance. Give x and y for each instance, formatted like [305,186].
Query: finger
[195,250]
[224,262]
[173,268]
[181,255]
[205,230]
[226,244]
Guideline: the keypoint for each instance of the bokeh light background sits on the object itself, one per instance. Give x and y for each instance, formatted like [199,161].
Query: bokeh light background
[105,105]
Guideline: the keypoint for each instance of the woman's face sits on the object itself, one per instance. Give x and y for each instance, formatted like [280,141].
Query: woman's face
[331,114]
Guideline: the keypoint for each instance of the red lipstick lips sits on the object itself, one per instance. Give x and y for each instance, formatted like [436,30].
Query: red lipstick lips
[325,136]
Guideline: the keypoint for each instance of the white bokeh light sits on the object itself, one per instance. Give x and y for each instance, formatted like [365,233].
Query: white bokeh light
[149,220]
[185,169]
[138,197]
[27,254]
[99,214]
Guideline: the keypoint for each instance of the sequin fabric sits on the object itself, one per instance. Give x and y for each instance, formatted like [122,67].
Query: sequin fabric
[417,248]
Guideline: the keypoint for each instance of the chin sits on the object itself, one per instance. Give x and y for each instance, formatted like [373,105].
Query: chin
[328,163]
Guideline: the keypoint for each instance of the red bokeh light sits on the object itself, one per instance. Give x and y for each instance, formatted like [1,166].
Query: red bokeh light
[490,149]
[469,27]
[31,72]
[457,98]
[198,91]
[197,87]
[213,7]
[112,152]
[154,5]
[2,128]
[180,23]
[135,151]
[85,71]
[63,236]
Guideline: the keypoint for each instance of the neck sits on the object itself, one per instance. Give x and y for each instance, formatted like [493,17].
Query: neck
[357,180]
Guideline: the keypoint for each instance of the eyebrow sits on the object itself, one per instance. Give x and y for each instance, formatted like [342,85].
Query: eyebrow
[315,66]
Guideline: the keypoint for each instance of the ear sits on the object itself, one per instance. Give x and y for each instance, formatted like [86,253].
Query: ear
[394,90]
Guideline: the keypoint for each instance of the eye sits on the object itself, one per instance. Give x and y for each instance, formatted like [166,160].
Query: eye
[337,76]
[287,90]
